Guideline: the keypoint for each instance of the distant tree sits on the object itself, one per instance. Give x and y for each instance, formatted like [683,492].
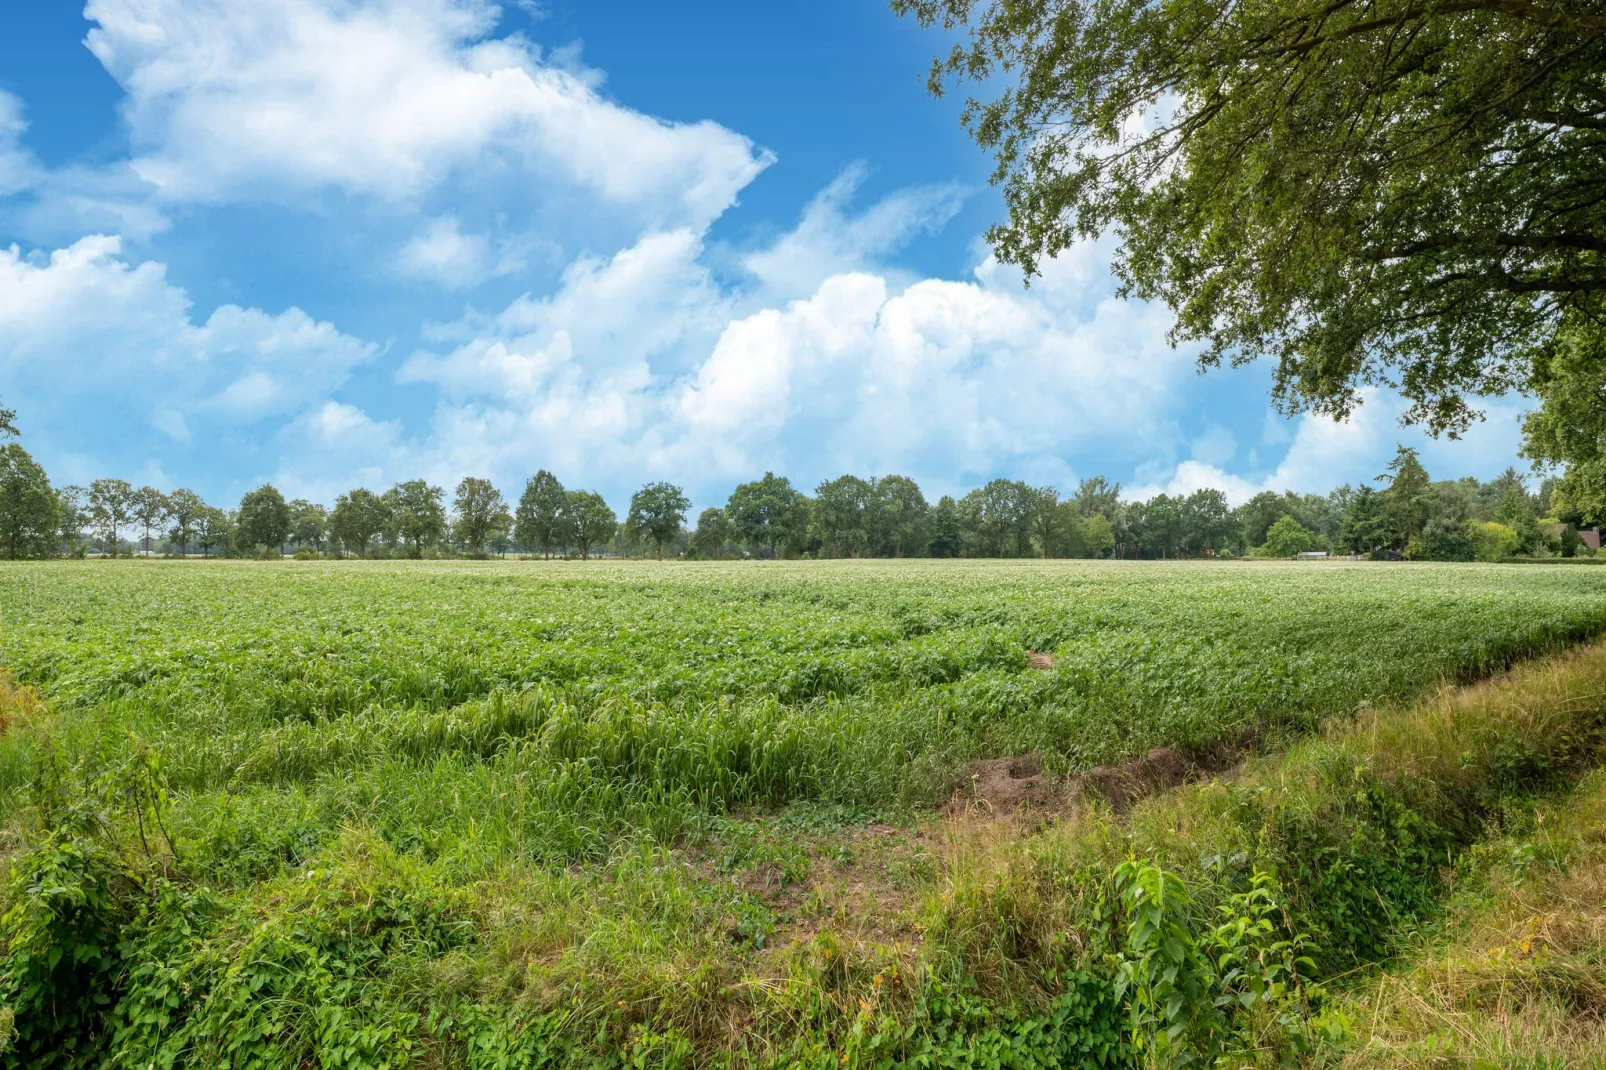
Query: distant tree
[216,528]
[714,532]
[766,511]
[1045,521]
[263,519]
[1098,535]
[1286,538]
[184,509]
[29,510]
[1364,527]
[1443,539]
[542,518]
[1405,500]
[590,519]
[72,513]
[657,512]
[478,506]
[1128,526]
[839,514]
[8,423]
[1098,495]
[1205,521]
[946,533]
[358,516]
[997,514]
[149,509]
[1258,514]
[111,503]
[1516,512]
[500,536]
[416,513]
[897,516]
[309,524]
[1162,525]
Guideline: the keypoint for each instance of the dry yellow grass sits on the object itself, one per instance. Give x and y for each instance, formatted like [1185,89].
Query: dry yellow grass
[1524,984]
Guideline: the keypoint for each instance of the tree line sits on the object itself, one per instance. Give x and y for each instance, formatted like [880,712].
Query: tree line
[1410,515]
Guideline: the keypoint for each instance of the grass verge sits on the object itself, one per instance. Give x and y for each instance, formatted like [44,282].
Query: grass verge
[1519,978]
[1201,925]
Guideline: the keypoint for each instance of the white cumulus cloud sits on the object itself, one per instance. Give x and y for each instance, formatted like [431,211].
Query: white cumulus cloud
[249,99]
[104,350]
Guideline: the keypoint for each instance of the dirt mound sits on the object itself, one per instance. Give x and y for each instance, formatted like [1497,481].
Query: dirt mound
[1004,785]
[1040,660]
[1128,782]
[1007,785]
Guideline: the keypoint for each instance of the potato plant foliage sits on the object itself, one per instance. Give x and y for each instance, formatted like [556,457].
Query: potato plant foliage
[499,814]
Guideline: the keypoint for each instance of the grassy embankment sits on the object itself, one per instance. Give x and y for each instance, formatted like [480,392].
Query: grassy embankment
[408,886]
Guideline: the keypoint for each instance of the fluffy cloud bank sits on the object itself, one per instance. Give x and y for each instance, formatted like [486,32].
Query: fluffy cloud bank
[255,99]
[108,358]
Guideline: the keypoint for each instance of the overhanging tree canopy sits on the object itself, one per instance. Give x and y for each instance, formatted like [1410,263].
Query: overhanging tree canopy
[1404,192]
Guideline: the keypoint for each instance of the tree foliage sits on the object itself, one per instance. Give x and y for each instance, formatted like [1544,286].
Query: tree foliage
[591,519]
[358,517]
[28,506]
[656,513]
[1385,191]
[542,519]
[767,511]
[416,512]
[714,533]
[184,508]
[480,510]
[111,502]
[264,519]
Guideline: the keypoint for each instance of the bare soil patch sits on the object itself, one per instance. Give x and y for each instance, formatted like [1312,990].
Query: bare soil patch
[1039,660]
[1005,785]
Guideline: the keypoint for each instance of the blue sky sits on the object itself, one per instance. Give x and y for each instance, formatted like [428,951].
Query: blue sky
[338,243]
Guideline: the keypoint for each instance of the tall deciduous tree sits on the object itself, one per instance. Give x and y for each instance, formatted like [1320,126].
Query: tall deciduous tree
[897,517]
[766,511]
[216,528]
[358,516]
[839,515]
[149,509]
[263,519]
[1097,495]
[72,513]
[997,514]
[309,525]
[184,509]
[8,423]
[714,532]
[656,513]
[28,507]
[591,520]
[479,508]
[110,507]
[542,519]
[416,513]
[1380,191]
[1045,521]
[1098,535]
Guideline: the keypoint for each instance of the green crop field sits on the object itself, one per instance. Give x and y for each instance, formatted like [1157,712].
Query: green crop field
[547,786]
[557,707]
